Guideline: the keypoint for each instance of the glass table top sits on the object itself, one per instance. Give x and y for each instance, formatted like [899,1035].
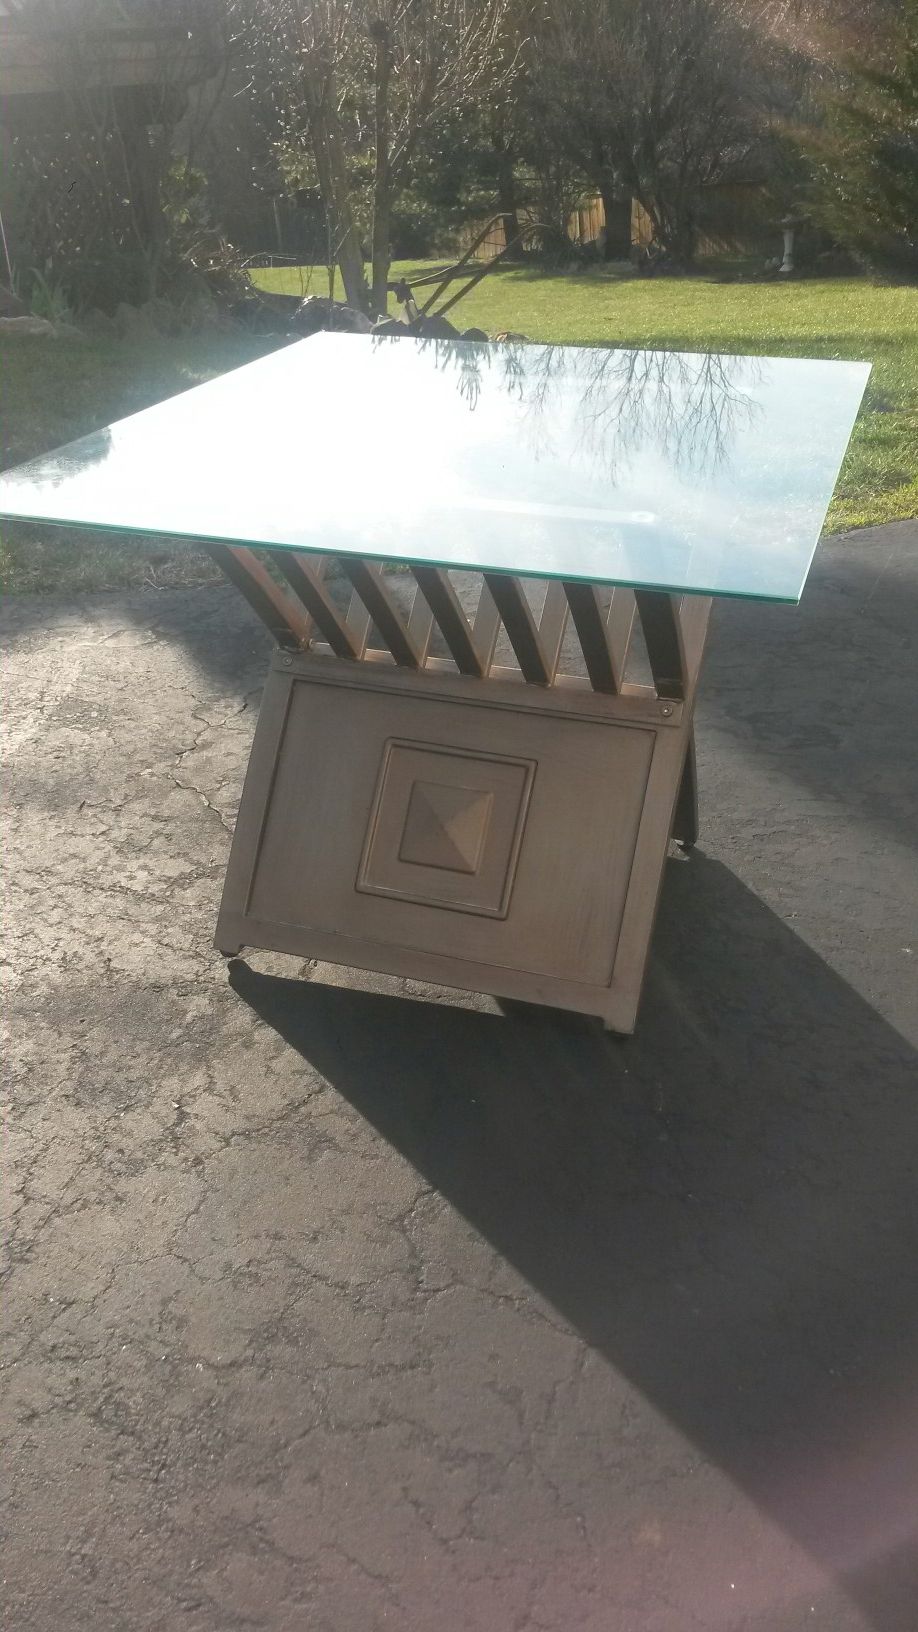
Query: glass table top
[682,471]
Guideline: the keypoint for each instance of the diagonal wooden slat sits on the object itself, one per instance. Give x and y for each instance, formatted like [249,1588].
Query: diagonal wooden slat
[694,616]
[659,614]
[358,621]
[451,620]
[619,627]
[286,619]
[421,627]
[685,820]
[590,623]
[552,625]
[516,615]
[486,627]
[304,575]
[369,583]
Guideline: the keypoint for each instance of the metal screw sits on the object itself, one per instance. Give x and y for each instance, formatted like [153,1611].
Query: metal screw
[666,710]
[288,664]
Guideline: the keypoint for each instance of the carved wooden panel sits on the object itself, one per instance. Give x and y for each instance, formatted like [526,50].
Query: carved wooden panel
[445,828]
[511,848]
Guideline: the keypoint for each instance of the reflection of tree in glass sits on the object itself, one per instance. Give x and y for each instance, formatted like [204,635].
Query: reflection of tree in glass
[686,407]
[468,359]
[472,358]
[689,407]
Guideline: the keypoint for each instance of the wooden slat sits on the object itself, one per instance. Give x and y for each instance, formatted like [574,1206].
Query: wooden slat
[685,821]
[619,625]
[552,625]
[451,619]
[486,627]
[567,687]
[367,579]
[358,621]
[694,616]
[604,632]
[421,627]
[445,667]
[278,611]
[659,614]
[303,574]
[590,623]
[517,619]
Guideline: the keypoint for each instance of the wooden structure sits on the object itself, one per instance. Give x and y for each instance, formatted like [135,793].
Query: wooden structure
[495,825]
[129,56]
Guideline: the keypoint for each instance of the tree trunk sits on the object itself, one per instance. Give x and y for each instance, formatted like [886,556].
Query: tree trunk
[143,176]
[331,167]
[617,210]
[350,254]
[382,176]
[674,229]
[506,194]
[685,238]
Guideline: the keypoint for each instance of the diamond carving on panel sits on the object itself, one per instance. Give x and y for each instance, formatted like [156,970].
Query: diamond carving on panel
[445,826]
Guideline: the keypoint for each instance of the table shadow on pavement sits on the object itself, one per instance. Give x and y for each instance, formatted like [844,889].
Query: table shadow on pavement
[724,1206]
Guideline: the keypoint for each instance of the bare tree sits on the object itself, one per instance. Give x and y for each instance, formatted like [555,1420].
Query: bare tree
[649,98]
[365,84]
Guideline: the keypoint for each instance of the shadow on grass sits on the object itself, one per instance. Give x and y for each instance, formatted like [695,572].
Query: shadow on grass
[724,1206]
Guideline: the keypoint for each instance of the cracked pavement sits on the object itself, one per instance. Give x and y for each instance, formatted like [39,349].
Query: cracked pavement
[335,1303]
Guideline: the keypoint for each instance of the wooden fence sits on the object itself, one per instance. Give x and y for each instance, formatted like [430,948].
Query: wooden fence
[740,232]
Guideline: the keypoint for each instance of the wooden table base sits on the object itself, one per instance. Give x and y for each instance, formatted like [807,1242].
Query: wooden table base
[497,829]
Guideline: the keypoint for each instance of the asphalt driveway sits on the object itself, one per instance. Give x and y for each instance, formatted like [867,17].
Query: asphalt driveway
[336,1303]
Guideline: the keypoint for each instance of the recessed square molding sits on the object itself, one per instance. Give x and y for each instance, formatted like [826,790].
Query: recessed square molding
[445,828]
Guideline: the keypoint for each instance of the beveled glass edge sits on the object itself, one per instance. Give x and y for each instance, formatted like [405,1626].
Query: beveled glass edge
[190,539]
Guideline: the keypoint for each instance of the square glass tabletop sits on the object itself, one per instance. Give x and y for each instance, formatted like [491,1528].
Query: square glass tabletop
[668,470]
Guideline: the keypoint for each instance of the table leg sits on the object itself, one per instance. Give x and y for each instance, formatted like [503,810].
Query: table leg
[685,821]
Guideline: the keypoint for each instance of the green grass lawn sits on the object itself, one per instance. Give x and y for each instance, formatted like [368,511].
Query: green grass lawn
[54,390]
